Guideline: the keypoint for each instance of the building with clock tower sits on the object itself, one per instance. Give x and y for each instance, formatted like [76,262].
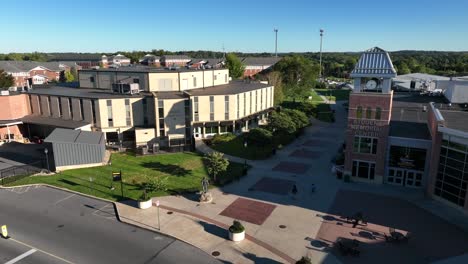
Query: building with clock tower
[369,116]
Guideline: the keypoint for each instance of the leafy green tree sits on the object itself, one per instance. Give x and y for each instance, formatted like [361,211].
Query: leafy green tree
[69,76]
[297,91]
[403,68]
[299,118]
[6,80]
[259,137]
[153,184]
[235,66]
[216,164]
[297,70]
[281,123]
[274,78]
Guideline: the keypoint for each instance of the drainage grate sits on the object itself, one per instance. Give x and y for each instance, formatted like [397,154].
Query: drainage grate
[170,212]
[215,253]
[282,226]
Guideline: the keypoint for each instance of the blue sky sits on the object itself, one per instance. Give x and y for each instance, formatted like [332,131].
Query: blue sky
[241,25]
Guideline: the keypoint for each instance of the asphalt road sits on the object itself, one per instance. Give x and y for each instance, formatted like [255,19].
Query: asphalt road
[51,226]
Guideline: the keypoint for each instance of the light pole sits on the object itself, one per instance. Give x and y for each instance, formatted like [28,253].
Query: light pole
[159,223]
[46,151]
[276,41]
[321,38]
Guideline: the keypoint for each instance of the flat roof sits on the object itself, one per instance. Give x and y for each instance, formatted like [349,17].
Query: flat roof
[80,92]
[406,129]
[234,87]
[145,69]
[60,135]
[455,119]
[54,122]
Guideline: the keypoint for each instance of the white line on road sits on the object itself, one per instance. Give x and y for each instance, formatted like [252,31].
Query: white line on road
[61,200]
[22,256]
[45,252]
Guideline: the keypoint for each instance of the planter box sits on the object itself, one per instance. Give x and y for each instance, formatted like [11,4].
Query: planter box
[236,237]
[145,204]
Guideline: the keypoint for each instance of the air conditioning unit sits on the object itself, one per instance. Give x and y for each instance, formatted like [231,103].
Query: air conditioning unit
[126,88]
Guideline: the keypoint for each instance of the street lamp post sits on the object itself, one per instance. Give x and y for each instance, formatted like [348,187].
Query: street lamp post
[276,41]
[321,38]
[46,151]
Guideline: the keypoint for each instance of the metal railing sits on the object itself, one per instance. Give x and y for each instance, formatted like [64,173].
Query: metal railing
[15,173]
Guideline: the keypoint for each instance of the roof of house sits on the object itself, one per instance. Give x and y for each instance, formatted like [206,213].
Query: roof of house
[455,119]
[419,76]
[233,87]
[209,61]
[409,130]
[60,135]
[54,122]
[118,56]
[80,92]
[260,61]
[142,68]
[175,57]
[374,62]
[26,66]
[150,57]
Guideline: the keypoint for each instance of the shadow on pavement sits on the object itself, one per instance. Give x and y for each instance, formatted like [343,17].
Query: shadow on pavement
[213,229]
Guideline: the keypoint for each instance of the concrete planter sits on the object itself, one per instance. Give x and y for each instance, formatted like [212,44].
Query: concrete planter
[236,237]
[145,204]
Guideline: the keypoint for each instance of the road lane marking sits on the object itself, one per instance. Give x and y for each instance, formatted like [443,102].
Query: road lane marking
[45,252]
[63,199]
[22,256]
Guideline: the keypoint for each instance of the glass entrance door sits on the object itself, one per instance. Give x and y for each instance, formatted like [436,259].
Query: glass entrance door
[404,177]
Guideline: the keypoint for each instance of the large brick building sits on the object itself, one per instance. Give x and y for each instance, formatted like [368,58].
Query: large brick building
[406,139]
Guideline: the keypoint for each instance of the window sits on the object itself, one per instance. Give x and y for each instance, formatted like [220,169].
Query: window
[91,79]
[211,130]
[215,77]
[194,81]
[195,108]
[369,113]
[250,102]
[226,107]
[136,80]
[225,78]
[145,111]
[110,119]
[256,100]
[93,110]
[245,104]
[365,145]
[162,131]
[70,107]
[261,99]
[81,109]
[60,113]
[211,108]
[128,114]
[363,169]
[359,112]
[452,178]
[378,113]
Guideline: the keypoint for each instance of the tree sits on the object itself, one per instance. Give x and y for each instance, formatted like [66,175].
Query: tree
[274,78]
[281,123]
[259,137]
[235,66]
[297,91]
[153,184]
[299,118]
[297,70]
[403,68]
[304,260]
[216,163]
[6,80]
[69,76]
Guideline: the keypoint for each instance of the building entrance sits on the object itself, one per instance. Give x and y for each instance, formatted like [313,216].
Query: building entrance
[404,177]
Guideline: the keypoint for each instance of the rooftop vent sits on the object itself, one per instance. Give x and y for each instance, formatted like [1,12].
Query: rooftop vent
[126,88]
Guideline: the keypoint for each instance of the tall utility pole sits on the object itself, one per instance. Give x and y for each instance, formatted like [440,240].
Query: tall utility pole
[276,41]
[320,70]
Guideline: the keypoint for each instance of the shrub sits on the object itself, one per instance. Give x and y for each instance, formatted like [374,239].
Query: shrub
[259,137]
[236,227]
[281,123]
[221,138]
[304,260]
[215,164]
[153,184]
[298,117]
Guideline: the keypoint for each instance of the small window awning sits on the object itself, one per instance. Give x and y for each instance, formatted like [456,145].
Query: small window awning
[10,122]
[211,124]
[226,123]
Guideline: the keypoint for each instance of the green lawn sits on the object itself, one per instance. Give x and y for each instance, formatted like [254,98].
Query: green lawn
[336,95]
[184,172]
[235,147]
[315,96]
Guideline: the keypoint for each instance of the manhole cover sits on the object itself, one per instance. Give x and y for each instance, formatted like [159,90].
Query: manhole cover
[170,212]
[282,226]
[215,253]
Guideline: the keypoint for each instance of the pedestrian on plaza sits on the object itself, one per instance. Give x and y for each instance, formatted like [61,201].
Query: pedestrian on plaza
[294,189]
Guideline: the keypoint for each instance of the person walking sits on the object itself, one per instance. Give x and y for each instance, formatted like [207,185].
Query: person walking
[294,189]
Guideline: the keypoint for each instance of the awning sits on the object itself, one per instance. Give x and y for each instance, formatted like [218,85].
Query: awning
[10,122]
[211,124]
[226,123]
[53,122]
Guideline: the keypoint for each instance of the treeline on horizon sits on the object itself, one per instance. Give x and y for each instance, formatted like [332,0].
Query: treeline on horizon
[336,64]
